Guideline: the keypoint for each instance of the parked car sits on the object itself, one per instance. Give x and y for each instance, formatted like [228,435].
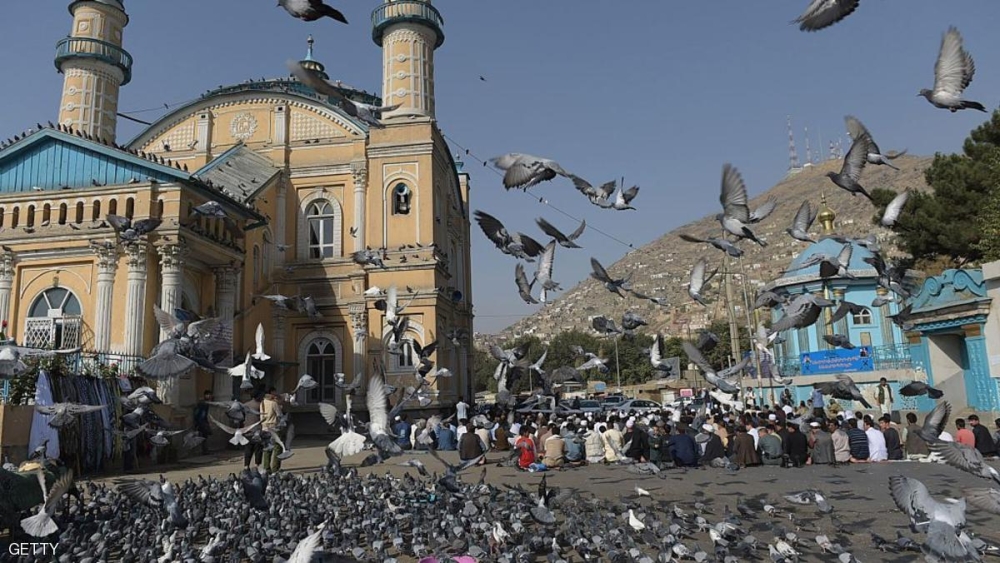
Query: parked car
[639,405]
[545,407]
[688,402]
[611,402]
[584,406]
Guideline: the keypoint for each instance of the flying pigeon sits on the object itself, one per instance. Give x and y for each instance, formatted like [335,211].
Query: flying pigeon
[850,171]
[722,244]
[843,388]
[941,521]
[830,266]
[917,388]
[874,155]
[623,200]
[845,308]
[715,378]
[544,273]
[803,221]
[259,342]
[131,231]
[604,325]
[64,414]
[41,525]
[838,341]
[801,312]
[523,287]
[733,197]
[821,14]
[598,196]
[953,73]
[359,110]
[311,10]
[524,171]
[611,284]
[518,245]
[566,241]
[697,281]
[894,209]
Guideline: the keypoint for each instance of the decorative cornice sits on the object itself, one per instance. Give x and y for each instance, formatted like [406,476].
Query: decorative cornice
[323,170]
[415,149]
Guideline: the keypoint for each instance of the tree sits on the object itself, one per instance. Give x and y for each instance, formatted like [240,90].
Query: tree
[947,222]
[989,219]
[721,356]
[483,367]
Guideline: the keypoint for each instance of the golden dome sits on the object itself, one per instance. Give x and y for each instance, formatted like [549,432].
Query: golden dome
[826,216]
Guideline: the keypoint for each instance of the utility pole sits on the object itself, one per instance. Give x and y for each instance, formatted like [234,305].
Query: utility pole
[751,326]
[734,331]
[618,367]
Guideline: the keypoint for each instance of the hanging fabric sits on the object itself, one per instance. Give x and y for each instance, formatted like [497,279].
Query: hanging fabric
[40,429]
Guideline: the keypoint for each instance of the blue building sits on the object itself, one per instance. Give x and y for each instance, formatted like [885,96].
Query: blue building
[881,347]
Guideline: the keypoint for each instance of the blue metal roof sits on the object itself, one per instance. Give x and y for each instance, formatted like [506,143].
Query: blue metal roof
[829,247]
[50,159]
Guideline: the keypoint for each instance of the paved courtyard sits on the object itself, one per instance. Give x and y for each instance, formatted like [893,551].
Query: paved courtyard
[859,494]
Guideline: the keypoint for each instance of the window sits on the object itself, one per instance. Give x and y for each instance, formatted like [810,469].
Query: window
[113,207]
[322,224]
[96,213]
[321,363]
[46,214]
[79,212]
[401,195]
[63,212]
[15,217]
[267,253]
[862,318]
[54,320]
[405,358]
[256,266]
[1,216]
[129,207]
[30,222]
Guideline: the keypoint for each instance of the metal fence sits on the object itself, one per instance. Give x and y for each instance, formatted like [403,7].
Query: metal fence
[895,356]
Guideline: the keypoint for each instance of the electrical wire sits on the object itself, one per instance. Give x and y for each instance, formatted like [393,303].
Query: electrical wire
[541,200]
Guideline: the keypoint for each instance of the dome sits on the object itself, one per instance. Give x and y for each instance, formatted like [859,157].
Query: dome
[830,247]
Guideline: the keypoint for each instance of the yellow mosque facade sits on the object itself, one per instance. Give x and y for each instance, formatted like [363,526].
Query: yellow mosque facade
[308,184]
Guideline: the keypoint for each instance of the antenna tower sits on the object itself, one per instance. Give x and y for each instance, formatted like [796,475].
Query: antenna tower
[793,154]
[809,154]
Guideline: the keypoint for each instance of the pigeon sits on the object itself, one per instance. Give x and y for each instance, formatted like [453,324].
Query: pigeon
[821,14]
[966,458]
[663,367]
[593,361]
[523,287]
[131,231]
[838,341]
[282,302]
[239,434]
[830,266]
[64,414]
[850,172]
[565,241]
[770,299]
[367,113]
[953,73]
[158,495]
[259,342]
[843,388]
[623,200]
[160,437]
[894,209]
[604,325]
[934,423]
[311,10]
[801,312]
[722,244]
[715,378]
[598,196]
[524,171]
[632,321]
[518,245]
[857,130]
[544,273]
[214,210]
[803,221]
[917,388]
[697,281]
[41,524]
[845,308]
[611,284]
[736,214]
[941,521]
[368,257]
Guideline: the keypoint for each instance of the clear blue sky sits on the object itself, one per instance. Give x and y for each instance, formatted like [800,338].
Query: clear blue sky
[660,92]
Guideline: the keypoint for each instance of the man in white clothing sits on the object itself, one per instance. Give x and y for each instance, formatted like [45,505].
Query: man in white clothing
[462,410]
[877,450]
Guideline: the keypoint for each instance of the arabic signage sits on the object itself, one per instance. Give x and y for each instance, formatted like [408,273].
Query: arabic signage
[837,361]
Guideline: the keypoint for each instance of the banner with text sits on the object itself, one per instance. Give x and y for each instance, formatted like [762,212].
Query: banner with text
[837,361]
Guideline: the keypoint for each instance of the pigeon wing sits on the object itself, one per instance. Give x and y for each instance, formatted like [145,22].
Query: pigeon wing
[987,499]
[734,194]
[550,229]
[821,14]
[857,157]
[493,228]
[895,208]
[955,68]
[698,276]
[307,547]
[168,323]
[695,356]
[313,80]
[329,414]
[579,230]
[375,401]
[935,420]
[803,217]
[599,272]
[544,273]
[765,209]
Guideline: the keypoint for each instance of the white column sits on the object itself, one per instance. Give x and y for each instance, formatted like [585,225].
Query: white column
[6,285]
[135,302]
[107,265]
[359,325]
[280,224]
[171,292]
[360,173]
[225,308]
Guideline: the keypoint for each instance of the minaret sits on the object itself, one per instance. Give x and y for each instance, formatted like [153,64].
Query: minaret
[793,153]
[826,216]
[408,31]
[311,63]
[95,65]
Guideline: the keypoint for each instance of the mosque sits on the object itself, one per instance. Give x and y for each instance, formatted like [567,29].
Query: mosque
[306,183]
[946,346]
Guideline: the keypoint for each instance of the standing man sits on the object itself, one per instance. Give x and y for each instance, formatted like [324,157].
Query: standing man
[462,410]
[984,442]
[884,396]
[819,412]
[270,413]
[201,419]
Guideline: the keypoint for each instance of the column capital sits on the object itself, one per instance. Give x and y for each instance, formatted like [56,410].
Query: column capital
[225,278]
[359,170]
[172,256]
[137,257]
[7,266]
[359,321]
[107,258]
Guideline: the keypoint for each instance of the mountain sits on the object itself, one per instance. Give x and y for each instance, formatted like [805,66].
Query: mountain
[661,268]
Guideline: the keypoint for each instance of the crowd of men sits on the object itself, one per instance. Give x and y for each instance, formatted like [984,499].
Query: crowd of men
[682,437]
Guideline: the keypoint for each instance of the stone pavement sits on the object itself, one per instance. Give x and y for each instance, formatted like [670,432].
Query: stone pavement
[859,494]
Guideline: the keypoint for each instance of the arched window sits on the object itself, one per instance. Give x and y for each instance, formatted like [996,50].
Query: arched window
[54,320]
[401,195]
[15,217]
[113,207]
[321,363]
[129,207]
[63,211]
[862,318]
[159,208]
[96,213]
[267,256]
[405,358]
[322,226]
[1,216]
[30,219]
[79,212]
[46,214]
[256,266]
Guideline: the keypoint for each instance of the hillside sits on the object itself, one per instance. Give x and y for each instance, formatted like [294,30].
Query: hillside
[661,268]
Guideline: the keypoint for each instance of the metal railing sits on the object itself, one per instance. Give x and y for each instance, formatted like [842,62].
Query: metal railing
[399,11]
[894,356]
[85,47]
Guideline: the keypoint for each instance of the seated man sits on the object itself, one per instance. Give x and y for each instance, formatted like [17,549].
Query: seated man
[574,445]
[771,451]
[682,449]
[555,448]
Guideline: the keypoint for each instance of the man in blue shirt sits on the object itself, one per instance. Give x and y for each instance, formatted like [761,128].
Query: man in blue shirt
[446,438]
[574,446]
[858,441]
[817,405]
[682,449]
[401,430]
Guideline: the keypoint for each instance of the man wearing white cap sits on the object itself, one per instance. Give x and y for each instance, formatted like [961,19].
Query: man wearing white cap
[713,447]
[593,444]
[821,443]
